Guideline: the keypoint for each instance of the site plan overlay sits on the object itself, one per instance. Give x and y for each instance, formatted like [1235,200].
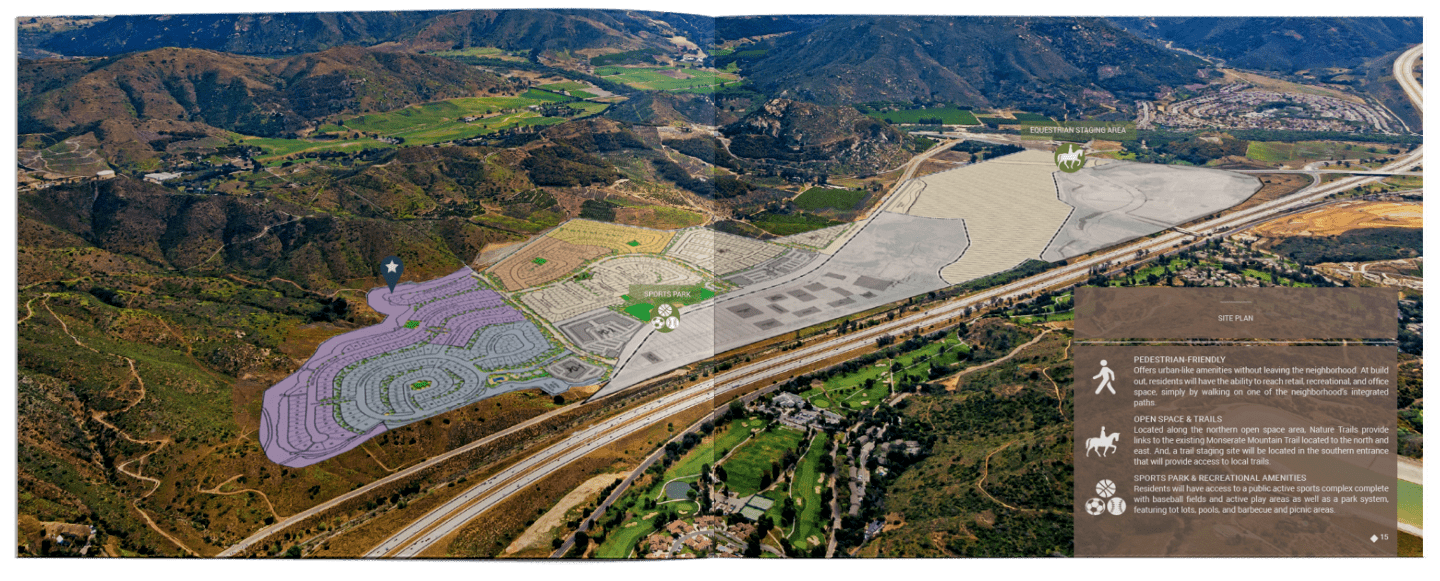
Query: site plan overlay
[555,314]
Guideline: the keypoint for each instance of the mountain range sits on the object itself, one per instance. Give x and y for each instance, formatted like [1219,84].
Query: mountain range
[131,99]
[1051,65]
[297,33]
[1282,44]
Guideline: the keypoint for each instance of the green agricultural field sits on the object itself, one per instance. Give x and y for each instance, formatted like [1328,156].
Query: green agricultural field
[655,79]
[816,199]
[565,86]
[443,120]
[805,491]
[1279,152]
[574,88]
[547,96]
[409,118]
[743,470]
[949,115]
[788,224]
[273,148]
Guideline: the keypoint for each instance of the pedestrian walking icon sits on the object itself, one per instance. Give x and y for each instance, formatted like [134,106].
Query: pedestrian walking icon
[1106,376]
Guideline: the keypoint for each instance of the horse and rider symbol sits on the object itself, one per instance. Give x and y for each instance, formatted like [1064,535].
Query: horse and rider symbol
[1103,444]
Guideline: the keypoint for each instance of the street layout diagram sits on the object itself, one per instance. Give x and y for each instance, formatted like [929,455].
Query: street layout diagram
[558,313]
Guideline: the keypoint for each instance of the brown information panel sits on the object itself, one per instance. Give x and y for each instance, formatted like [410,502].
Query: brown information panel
[1235,451]
[1228,313]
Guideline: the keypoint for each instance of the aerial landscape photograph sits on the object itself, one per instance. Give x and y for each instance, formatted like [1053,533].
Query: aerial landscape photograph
[573,283]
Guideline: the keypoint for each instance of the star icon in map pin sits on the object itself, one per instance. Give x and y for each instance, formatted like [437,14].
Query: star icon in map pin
[391,268]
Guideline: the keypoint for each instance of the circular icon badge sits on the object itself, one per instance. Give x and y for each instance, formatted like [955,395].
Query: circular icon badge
[1095,506]
[1116,506]
[1105,489]
[1070,157]
[665,318]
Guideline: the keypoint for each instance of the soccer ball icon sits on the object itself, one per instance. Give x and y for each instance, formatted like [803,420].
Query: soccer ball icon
[1095,506]
[665,318]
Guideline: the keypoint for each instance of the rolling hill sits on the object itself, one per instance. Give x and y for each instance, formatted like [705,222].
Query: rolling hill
[289,34]
[1282,44]
[131,100]
[789,132]
[665,108]
[1049,65]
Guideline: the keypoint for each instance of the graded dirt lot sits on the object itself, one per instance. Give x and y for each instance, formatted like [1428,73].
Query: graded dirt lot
[1008,204]
[1121,200]
[556,258]
[1341,218]
[1272,187]
[554,517]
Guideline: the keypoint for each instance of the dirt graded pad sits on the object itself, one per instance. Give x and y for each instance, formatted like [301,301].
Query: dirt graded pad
[1342,218]
[1121,201]
[521,270]
[719,252]
[817,239]
[893,257]
[1008,204]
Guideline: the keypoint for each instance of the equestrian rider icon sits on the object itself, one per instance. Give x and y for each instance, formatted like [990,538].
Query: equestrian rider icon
[1107,376]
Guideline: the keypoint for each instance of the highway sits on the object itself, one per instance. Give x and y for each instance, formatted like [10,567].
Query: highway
[424,532]
[440,522]
[1360,171]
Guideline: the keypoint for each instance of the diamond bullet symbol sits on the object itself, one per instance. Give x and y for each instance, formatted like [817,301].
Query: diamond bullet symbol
[1374,538]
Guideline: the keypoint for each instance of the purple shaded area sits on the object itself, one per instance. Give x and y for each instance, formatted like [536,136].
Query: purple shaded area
[297,427]
[460,331]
